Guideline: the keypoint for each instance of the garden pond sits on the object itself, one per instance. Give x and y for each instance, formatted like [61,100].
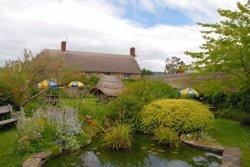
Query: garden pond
[144,153]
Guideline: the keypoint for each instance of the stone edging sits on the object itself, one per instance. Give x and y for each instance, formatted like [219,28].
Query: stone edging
[218,149]
[230,156]
[37,159]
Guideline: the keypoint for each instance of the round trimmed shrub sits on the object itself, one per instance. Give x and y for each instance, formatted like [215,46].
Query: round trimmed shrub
[119,138]
[166,136]
[180,115]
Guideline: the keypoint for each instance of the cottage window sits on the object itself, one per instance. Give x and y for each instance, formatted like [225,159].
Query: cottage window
[126,76]
[107,73]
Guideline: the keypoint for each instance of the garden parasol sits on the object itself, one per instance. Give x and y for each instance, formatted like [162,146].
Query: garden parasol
[46,84]
[189,93]
[76,84]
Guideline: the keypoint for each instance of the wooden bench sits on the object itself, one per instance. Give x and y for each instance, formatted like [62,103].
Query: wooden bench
[6,112]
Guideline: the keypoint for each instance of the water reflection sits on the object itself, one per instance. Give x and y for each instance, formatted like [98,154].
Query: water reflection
[90,159]
[144,154]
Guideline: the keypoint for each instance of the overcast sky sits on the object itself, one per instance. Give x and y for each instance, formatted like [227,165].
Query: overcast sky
[157,28]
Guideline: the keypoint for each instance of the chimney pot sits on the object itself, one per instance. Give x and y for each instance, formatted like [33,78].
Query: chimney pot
[63,46]
[132,51]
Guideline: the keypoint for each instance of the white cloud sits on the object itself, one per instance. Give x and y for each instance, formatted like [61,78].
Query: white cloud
[93,25]
[201,10]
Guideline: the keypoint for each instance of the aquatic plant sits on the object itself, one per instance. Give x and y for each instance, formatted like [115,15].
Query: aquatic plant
[119,137]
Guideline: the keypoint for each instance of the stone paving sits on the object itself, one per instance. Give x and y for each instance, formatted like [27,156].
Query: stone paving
[231,157]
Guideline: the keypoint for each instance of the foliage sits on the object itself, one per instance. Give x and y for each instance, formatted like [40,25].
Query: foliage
[180,115]
[6,96]
[230,105]
[226,47]
[30,108]
[93,80]
[93,129]
[173,64]
[126,107]
[229,101]
[166,136]
[145,71]
[118,137]
[49,127]
[245,120]
[22,76]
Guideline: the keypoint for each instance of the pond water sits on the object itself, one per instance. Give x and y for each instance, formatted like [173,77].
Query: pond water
[144,153]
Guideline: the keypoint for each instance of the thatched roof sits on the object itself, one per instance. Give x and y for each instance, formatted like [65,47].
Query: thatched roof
[109,86]
[98,62]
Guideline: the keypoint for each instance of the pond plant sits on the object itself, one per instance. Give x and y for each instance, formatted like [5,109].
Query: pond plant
[119,137]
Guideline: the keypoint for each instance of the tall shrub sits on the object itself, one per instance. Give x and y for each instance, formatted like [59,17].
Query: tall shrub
[6,96]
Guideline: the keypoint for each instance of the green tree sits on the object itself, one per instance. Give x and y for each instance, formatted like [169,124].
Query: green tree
[227,44]
[173,64]
[145,71]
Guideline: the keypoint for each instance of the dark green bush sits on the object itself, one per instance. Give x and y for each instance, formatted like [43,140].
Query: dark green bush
[30,107]
[126,107]
[6,96]
[230,105]
[245,120]
[93,80]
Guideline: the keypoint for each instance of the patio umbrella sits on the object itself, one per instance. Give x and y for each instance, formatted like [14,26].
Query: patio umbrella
[43,84]
[46,84]
[189,92]
[76,84]
[52,84]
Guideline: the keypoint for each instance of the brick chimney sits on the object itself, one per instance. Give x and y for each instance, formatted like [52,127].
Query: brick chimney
[63,46]
[132,52]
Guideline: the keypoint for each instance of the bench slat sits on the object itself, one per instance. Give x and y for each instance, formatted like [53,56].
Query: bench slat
[5,109]
[8,121]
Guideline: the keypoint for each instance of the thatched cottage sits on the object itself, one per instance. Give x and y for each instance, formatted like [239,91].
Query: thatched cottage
[90,63]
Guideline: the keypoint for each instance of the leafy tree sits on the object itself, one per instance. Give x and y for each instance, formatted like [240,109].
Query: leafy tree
[145,71]
[227,44]
[173,64]
[23,75]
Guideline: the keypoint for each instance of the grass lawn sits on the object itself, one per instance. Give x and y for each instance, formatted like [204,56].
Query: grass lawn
[8,143]
[228,133]
[88,106]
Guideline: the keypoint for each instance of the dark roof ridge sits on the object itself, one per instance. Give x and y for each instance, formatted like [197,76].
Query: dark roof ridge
[88,52]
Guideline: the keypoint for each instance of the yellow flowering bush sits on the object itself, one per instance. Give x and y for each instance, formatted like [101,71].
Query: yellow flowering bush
[166,136]
[180,115]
